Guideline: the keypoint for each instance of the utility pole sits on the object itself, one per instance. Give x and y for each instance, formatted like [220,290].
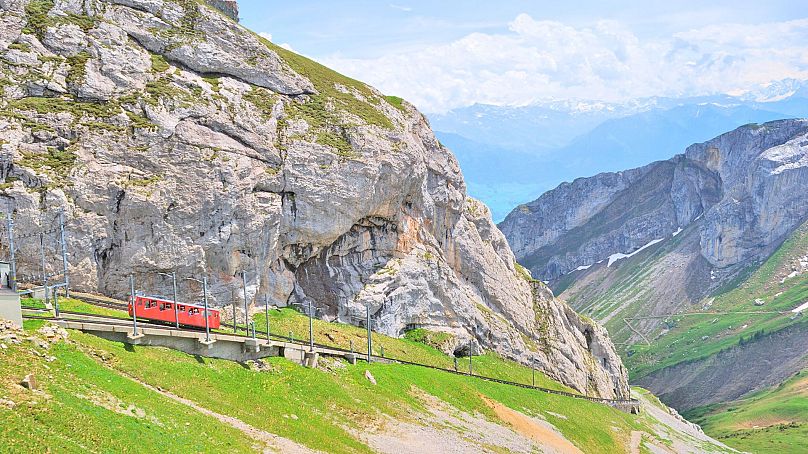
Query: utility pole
[134,306]
[64,251]
[246,311]
[205,299]
[13,278]
[44,272]
[176,310]
[266,313]
[311,327]
[370,338]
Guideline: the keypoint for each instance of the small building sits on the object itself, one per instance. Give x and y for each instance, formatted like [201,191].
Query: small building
[5,275]
[9,299]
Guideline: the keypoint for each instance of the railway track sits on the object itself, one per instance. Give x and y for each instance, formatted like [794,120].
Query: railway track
[127,321]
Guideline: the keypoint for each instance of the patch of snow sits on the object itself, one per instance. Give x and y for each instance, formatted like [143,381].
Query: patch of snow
[583,267]
[678,231]
[801,308]
[619,256]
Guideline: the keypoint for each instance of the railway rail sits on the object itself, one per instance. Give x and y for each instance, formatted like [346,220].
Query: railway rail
[126,321]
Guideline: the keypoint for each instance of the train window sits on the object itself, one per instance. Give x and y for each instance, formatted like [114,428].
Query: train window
[168,305]
[162,307]
[181,307]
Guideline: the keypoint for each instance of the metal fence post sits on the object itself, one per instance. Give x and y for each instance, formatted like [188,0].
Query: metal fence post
[64,251]
[352,346]
[134,306]
[56,302]
[13,278]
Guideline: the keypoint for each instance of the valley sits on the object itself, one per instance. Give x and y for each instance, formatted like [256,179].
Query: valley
[705,307]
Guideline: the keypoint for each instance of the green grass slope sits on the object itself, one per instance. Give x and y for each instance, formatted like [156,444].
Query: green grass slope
[93,398]
[774,420]
[698,336]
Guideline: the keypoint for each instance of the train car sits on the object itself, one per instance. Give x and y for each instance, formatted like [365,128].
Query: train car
[160,309]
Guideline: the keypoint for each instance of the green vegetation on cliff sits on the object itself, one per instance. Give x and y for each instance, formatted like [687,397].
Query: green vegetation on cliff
[695,337]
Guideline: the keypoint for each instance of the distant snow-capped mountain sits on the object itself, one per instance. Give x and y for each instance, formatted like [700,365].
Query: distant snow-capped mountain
[511,155]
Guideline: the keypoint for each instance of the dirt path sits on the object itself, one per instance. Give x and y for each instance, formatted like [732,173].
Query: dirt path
[545,436]
[273,442]
[636,439]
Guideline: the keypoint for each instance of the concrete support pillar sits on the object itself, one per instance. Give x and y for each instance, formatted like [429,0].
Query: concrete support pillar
[310,359]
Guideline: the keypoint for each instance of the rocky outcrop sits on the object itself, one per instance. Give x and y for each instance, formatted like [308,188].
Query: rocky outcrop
[228,7]
[748,185]
[174,139]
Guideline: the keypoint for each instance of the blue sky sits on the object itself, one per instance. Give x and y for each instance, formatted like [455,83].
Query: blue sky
[447,54]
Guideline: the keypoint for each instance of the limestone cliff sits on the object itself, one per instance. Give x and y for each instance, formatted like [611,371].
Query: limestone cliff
[177,140]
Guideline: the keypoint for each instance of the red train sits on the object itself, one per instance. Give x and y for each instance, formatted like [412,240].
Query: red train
[156,308]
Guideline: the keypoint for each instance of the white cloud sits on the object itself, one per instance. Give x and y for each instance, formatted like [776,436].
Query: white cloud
[400,7]
[538,59]
[268,36]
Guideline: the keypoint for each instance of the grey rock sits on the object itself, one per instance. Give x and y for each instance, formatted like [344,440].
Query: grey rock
[29,382]
[166,169]
[205,42]
[228,7]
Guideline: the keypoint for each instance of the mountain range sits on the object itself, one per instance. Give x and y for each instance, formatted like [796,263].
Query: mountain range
[511,155]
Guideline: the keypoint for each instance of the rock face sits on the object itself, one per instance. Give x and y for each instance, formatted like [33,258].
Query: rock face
[228,7]
[748,185]
[175,139]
